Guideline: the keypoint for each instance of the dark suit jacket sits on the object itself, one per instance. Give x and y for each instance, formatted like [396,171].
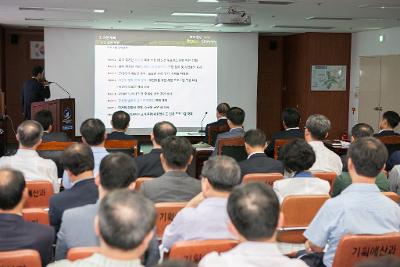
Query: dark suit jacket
[288,134]
[55,136]
[15,233]
[237,132]
[393,160]
[82,193]
[386,133]
[119,136]
[33,91]
[260,163]
[219,122]
[149,165]
[343,158]
[173,186]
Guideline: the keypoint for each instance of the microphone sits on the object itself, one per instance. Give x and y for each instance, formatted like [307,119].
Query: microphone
[201,127]
[62,88]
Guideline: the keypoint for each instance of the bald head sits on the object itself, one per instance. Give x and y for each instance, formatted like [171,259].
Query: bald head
[78,158]
[162,130]
[12,185]
[29,133]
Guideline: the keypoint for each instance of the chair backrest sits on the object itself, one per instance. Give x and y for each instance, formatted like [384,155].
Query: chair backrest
[267,178]
[393,196]
[54,150]
[19,258]
[392,143]
[279,143]
[166,213]
[194,250]
[355,248]
[81,253]
[139,181]
[125,146]
[233,147]
[36,215]
[213,132]
[39,194]
[54,146]
[296,222]
[327,176]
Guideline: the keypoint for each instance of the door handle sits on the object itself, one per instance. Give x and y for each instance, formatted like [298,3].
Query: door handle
[378,108]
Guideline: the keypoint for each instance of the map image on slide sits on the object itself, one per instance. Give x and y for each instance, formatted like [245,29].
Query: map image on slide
[328,78]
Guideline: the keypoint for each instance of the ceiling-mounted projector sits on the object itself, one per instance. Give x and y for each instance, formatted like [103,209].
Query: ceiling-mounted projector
[234,18]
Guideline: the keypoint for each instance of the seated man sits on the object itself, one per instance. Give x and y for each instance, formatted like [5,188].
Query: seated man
[394,179]
[254,217]
[124,225]
[149,165]
[120,124]
[27,160]
[208,219]
[290,121]
[93,133]
[257,161]
[15,233]
[317,128]
[389,121]
[117,171]
[78,162]
[45,118]
[175,185]
[361,208]
[222,109]
[298,157]
[235,117]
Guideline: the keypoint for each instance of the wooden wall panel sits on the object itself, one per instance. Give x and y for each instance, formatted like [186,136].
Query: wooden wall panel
[269,89]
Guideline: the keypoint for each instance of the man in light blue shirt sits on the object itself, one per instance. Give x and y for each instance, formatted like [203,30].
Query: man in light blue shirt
[207,219]
[361,208]
[93,133]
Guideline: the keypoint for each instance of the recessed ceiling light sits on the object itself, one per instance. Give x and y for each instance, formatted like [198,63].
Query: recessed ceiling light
[194,14]
[207,1]
[60,9]
[99,10]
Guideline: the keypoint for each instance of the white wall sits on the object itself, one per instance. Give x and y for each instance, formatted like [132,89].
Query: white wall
[367,44]
[69,60]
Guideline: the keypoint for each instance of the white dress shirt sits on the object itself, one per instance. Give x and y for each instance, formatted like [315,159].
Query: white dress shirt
[325,159]
[300,185]
[34,167]
[209,220]
[251,254]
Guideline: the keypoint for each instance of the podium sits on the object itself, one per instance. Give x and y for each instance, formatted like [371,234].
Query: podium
[63,111]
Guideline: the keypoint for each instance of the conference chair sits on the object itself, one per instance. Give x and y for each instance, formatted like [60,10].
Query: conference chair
[81,253]
[129,147]
[139,181]
[393,196]
[54,150]
[354,248]
[298,212]
[166,213]
[214,131]
[233,147]
[39,194]
[194,250]
[327,176]
[17,258]
[267,178]
[279,143]
[392,143]
[36,215]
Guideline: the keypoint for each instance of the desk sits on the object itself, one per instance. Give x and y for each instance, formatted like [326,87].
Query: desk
[338,150]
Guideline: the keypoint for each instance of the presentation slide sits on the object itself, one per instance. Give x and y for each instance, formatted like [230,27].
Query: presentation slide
[171,78]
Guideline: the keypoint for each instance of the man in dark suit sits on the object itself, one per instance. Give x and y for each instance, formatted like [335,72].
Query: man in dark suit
[258,162]
[120,123]
[78,162]
[175,185]
[15,233]
[149,165]
[45,118]
[389,121]
[35,89]
[290,122]
[235,118]
[222,109]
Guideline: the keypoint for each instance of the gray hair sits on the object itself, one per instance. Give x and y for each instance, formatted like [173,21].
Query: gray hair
[222,172]
[29,133]
[318,125]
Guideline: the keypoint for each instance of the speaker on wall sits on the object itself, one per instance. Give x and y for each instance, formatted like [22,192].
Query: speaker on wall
[273,45]
[14,39]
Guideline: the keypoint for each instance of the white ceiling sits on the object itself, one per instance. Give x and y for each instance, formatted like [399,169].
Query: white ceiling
[156,14]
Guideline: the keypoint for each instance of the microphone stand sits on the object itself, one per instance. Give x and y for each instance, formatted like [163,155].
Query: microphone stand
[62,88]
[201,124]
